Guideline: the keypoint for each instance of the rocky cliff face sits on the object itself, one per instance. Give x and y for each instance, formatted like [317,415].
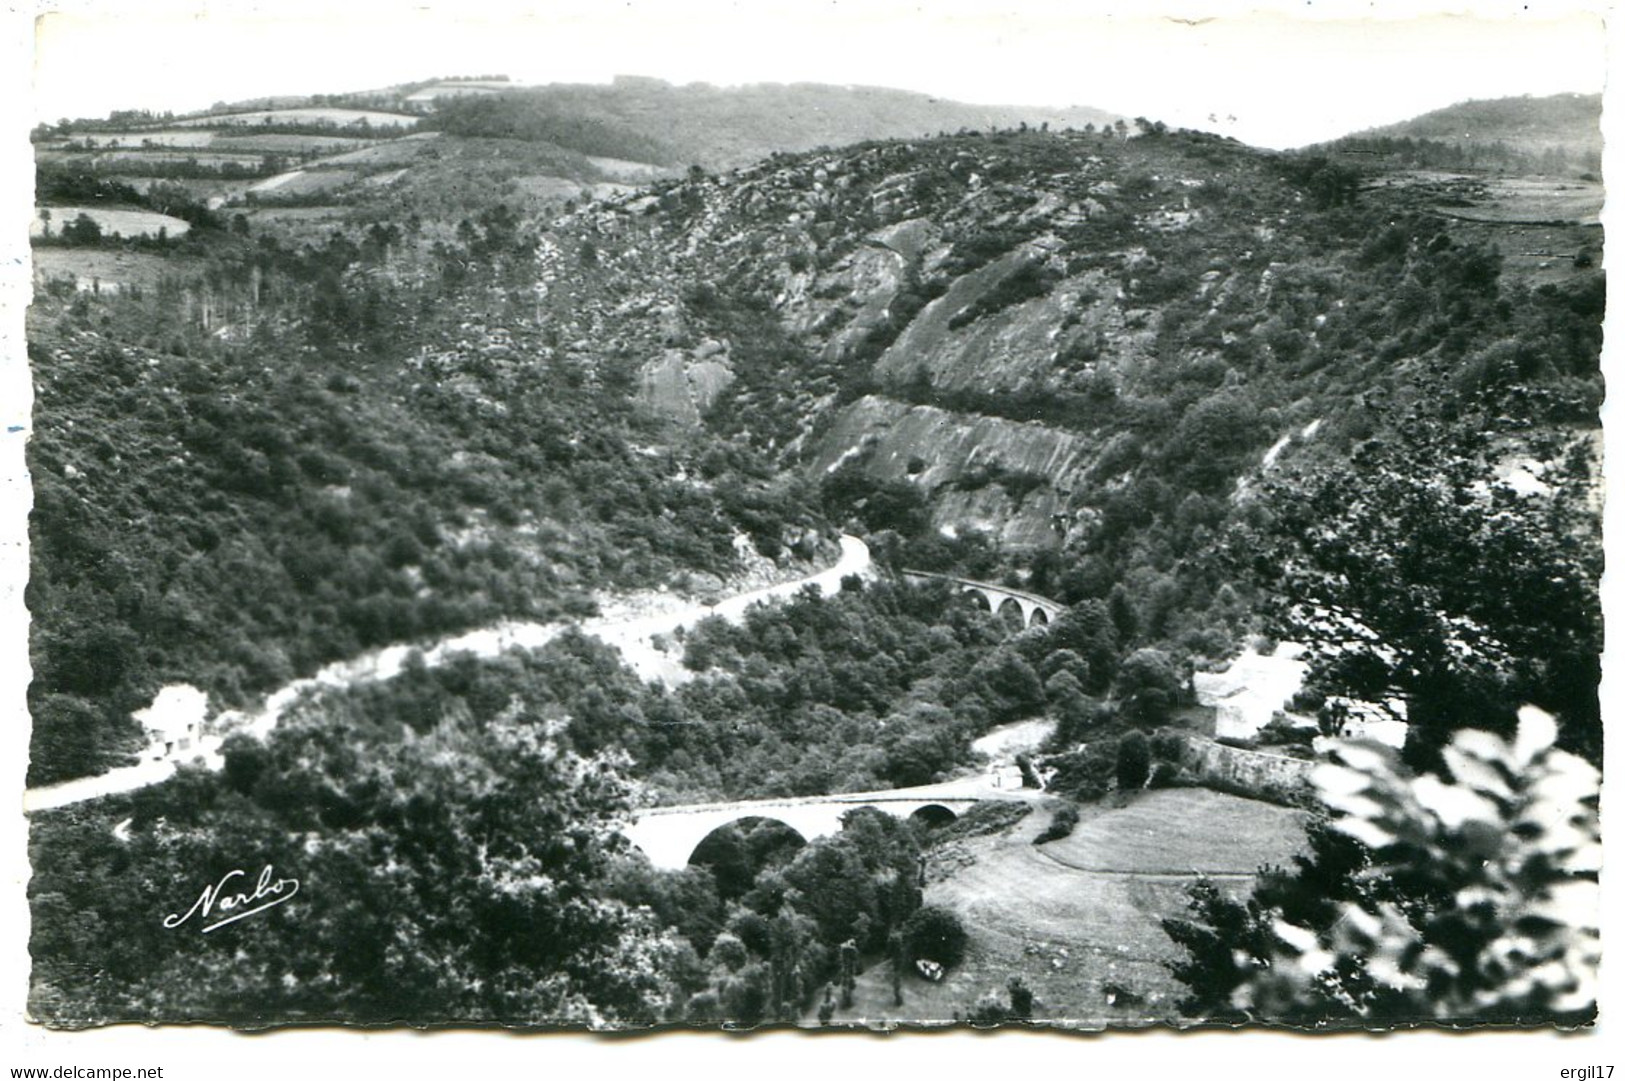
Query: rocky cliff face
[996,300]
[1026,326]
[963,346]
[1010,480]
[957,352]
[854,297]
[682,385]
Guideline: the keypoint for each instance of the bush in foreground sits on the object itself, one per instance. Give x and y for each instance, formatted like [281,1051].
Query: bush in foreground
[1133,762]
[933,933]
[1466,901]
[1064,821]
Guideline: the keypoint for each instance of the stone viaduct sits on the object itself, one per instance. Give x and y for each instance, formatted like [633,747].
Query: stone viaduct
[669,835]
[1035,610]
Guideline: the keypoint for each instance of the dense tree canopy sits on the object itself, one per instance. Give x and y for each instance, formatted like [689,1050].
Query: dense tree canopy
[455,875]
[1420,572]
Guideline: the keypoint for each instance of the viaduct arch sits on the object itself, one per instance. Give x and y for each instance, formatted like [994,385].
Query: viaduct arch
[1035,610]
[669,835]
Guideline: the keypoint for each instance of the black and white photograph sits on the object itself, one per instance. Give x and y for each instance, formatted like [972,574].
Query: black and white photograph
[712,518]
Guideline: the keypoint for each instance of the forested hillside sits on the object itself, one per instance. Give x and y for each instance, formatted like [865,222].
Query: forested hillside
[1559,134]
[1078,357]
[277,457]
[650,120]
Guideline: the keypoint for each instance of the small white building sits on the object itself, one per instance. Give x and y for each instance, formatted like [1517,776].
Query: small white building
[174,721]
[1251,689]
[1254,687]
[1367,720]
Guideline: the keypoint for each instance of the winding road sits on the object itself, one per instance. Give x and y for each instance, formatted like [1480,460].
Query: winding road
[626,624]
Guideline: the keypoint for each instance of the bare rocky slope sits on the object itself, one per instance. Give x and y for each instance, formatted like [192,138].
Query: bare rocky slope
[1025,327]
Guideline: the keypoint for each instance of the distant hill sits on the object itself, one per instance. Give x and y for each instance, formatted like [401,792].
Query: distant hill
[530,145]
[1554,134]
[652,120]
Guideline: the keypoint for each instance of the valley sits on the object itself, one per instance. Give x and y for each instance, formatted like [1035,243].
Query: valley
[502,466]
[631,624]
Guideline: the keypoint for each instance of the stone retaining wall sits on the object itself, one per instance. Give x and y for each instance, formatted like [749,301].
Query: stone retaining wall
[1271,777]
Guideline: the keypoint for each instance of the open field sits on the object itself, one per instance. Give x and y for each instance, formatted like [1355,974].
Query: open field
[1180,831]
[459,89]
[296,224]
[211,159]
[1536,200]
[184,137]
[274,143]
[1537,254]
[212,191]
[303,182]
[129,223]
[1076,915]
[1487,197]
[547,188]
[1006,741]
[340,117]
[1538,223]
[400,151]
[232,139]
[619,169]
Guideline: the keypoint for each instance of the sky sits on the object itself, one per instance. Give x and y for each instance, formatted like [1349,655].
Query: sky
[1270,79]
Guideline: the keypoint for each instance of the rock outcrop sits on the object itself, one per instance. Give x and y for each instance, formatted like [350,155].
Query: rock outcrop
[683,384]
[1011,480]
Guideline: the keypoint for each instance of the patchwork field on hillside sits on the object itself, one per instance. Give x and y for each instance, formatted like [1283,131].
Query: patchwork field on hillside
[296,224]
[186,137]
[302,183]
[340,117]
[127,223]
[1077,916]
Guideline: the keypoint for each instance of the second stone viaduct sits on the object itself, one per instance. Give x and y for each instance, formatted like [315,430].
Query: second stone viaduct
[1035,610]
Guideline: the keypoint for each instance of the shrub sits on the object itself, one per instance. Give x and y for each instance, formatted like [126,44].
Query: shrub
[1086,773]
[1032,279]
[1148,687]
[1283,732]
[1168,746]
[1061,824]
[1133,761]
[989,1010]
[1021,998]
[987,817]
[705,1007]
[933,933]
[246,760]
[1470,900]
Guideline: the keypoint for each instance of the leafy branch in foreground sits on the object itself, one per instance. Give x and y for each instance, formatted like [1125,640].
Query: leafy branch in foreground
[1466,900]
